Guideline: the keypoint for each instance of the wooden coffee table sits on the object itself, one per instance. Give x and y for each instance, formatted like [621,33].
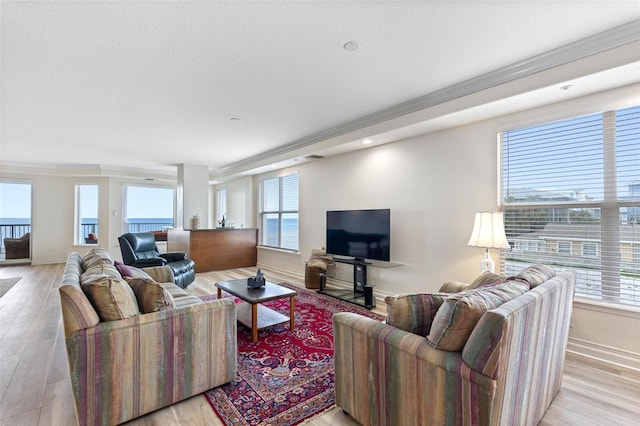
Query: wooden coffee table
[254,315]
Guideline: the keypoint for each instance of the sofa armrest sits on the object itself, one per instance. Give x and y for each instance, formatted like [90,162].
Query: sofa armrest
[377,366]
[148,262]
[160,274]
[174,256]
[150,361]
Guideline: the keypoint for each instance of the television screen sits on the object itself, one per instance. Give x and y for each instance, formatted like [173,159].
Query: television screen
[362,234]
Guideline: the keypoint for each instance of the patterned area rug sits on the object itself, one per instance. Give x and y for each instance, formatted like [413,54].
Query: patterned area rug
[286,376]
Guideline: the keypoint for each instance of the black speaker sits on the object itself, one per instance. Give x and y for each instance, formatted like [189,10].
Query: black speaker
[368,297]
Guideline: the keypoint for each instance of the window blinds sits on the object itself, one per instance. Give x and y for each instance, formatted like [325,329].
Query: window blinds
[570,192]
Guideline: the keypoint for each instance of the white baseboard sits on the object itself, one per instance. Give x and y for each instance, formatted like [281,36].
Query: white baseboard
[620,361]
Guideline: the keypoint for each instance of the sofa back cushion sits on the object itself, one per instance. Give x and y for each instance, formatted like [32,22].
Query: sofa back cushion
[96,256]
[77,311]
[460,312]
[112,298]
[536,274]
[413,312]
[484,279]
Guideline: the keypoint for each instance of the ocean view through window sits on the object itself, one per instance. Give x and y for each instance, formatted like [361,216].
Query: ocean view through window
[570,192]
[148,208]
[279,212]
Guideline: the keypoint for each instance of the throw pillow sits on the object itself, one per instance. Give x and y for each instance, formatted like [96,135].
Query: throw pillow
[319,259]
[77,311]
[112,299]
[151,296]
[124,270]
[460,313]
[413,312]
[536,274]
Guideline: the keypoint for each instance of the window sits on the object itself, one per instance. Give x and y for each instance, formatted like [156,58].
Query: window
[221,204]
[564,248]
[576,184]
[590,250]
[279,212]
[148,208]
[86,217]
[15,215]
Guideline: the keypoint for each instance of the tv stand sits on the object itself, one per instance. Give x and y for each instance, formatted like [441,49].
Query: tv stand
[362,294]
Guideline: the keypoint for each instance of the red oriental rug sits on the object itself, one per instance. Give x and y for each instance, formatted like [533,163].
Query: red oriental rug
[286,376]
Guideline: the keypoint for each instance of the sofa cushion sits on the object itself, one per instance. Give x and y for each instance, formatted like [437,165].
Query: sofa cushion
[536,274]
[413,312]
[453,287]
[484,279]
[96,256]
[460,312]
[112,298]
[78,313]
[98,272]
[180,297]
[151,296]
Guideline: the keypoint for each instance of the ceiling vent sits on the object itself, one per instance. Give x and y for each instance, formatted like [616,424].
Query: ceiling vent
[314,157]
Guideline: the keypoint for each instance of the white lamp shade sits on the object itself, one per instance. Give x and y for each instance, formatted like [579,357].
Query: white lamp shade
[488,231]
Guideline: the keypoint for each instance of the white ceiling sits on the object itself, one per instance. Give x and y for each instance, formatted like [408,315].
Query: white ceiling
[149,85]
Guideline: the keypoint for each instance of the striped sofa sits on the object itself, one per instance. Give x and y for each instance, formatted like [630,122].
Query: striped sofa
[504,370]
[136,342]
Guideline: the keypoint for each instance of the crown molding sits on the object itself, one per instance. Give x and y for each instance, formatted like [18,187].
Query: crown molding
[595,44]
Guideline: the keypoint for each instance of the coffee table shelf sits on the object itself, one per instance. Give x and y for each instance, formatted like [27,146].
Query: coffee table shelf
[254,315]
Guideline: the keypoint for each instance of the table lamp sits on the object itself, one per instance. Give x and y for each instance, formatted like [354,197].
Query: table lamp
[488,232]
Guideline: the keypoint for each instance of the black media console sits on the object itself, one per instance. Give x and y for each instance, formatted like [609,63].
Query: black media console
[362,294]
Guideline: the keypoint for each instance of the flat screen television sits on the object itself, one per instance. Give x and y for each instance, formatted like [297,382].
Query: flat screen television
[361,234]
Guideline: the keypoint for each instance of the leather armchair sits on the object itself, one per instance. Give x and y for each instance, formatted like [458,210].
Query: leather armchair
[139,249]
[17,248]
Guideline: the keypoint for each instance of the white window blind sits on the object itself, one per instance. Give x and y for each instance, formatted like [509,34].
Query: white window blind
[573,186]
[279,212]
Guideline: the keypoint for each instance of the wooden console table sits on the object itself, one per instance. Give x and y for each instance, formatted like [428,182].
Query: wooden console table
[216,249]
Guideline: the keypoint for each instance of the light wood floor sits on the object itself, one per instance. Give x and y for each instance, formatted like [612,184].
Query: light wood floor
[35,387]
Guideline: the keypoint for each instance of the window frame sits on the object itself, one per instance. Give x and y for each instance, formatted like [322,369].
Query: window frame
[280,212]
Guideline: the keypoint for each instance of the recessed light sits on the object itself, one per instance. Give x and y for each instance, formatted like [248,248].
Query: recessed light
[367,141]
[351,46]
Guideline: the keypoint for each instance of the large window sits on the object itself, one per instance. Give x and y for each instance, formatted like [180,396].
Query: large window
[148,208]
[86,216]
[15,217]
[575,185]
[279,212]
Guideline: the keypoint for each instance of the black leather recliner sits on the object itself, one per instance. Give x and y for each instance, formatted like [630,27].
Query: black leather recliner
[139,249]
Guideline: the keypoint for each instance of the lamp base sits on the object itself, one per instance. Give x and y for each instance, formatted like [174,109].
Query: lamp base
[487,264]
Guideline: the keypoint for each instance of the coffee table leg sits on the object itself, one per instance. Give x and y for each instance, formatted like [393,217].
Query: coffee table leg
[219,293]
[254,322]
[291,313]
